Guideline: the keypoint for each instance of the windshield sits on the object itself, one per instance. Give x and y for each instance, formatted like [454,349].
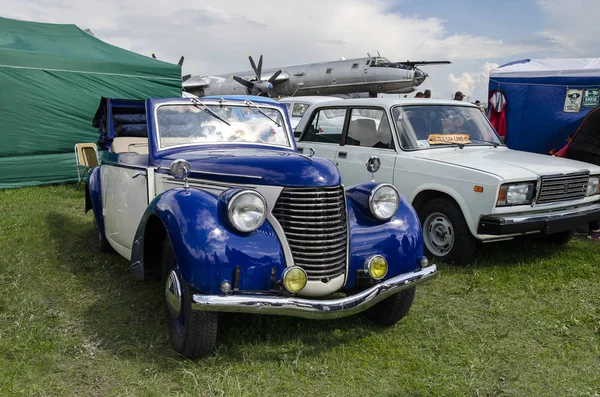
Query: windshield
[190,125]
[441,125]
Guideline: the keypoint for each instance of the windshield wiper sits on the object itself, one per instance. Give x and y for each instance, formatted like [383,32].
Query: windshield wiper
[487,142]
[249,102]
[197,102]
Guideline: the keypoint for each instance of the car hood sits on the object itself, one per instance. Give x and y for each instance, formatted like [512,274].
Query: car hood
[505,163]
[258,166]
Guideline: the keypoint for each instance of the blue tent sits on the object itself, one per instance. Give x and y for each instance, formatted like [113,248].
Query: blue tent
[546,99]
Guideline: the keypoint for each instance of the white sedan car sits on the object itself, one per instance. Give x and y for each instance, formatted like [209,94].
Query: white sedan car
[448,161]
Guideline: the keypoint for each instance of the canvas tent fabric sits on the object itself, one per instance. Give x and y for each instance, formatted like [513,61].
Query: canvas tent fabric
[51,80]
[535,91]
[586,138]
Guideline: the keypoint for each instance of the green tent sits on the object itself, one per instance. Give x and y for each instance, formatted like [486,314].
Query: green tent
[51,80]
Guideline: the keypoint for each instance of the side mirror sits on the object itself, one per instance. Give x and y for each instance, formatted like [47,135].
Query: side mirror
[180,169]
[373,164]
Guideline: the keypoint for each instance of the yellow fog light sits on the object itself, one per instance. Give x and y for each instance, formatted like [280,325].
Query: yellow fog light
[294,279]
[376,266]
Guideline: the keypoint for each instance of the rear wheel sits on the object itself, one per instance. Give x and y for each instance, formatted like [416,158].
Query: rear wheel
[391,310]
[192,333]
[445,232]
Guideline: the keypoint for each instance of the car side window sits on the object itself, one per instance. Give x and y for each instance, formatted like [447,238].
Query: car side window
[326,126]
[369,128]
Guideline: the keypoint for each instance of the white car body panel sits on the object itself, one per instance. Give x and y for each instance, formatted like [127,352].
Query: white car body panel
[127,202]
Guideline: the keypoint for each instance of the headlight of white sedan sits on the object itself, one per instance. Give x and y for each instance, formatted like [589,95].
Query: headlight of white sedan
[247,210]
[515,194]
[593,186]
[383,201]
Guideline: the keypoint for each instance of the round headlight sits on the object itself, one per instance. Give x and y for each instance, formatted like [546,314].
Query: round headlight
[247,210]
[377,267]
[383,201]
[294,279]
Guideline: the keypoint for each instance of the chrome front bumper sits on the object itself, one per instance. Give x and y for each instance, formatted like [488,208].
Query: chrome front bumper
[545,222]
[313,308]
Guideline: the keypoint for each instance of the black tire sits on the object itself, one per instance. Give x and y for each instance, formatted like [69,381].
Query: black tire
[391,310]
[443,220]
[560,238]
[193,334]
[101,241]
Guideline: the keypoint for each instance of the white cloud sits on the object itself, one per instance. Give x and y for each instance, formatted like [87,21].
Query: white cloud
[474,84]
[572,27]
[216,36]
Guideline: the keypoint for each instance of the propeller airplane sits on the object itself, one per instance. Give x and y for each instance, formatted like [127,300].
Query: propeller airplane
[345,77]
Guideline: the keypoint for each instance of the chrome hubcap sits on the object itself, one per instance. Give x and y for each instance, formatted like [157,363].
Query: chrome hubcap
[438,233]
[173,294]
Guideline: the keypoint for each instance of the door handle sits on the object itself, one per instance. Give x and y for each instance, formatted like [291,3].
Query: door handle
[342,155]
[141,173]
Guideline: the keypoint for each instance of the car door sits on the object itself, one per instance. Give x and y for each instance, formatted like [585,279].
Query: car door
[323,133]
[125,198]
[368,134]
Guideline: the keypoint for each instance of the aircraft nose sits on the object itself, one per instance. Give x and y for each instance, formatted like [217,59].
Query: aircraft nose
[419,76]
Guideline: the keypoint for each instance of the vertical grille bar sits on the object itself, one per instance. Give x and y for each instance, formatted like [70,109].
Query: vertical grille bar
[314,223]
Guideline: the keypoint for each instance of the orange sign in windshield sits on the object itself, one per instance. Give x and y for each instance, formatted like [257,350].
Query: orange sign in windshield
[441,139]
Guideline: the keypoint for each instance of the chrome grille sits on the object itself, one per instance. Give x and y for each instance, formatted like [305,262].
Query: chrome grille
[314,223]
[564,187]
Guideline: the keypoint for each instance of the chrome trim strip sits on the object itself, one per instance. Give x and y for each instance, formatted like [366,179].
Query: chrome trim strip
[220,174]
[313,308]
[547,215]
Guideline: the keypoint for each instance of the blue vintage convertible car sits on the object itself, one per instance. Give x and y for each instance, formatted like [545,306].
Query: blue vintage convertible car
[211,196]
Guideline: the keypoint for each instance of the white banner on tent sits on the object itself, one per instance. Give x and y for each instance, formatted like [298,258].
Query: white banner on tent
[573,100]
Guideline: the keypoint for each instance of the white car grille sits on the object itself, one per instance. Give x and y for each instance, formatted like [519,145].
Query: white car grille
[565,187]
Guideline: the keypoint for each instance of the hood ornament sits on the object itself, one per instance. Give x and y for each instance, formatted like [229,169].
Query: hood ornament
[373,164]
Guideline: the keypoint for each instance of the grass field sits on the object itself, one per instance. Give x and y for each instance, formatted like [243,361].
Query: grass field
[523,320]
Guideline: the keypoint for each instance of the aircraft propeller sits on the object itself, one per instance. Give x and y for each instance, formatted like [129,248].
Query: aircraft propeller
[257,86]
[180,63]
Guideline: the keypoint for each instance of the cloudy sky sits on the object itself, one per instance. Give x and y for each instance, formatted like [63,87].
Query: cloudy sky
[217,36]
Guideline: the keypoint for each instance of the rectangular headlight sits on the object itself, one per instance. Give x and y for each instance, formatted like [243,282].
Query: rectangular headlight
[593,186]
[515,194]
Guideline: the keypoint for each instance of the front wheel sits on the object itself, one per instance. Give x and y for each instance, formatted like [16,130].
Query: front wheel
[445,232]
[391,310]
[193,334]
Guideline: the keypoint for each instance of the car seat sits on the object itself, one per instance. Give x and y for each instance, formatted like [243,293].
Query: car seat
[364,131]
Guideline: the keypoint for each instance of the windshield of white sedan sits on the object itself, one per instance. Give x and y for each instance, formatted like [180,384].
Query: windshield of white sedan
[437,126]
[190,125]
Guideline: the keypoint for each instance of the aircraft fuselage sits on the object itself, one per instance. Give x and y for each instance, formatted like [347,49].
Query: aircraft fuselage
[369,74]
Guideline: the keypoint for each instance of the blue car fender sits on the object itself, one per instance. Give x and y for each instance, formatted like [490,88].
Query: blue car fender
[399,240]
[208,250]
